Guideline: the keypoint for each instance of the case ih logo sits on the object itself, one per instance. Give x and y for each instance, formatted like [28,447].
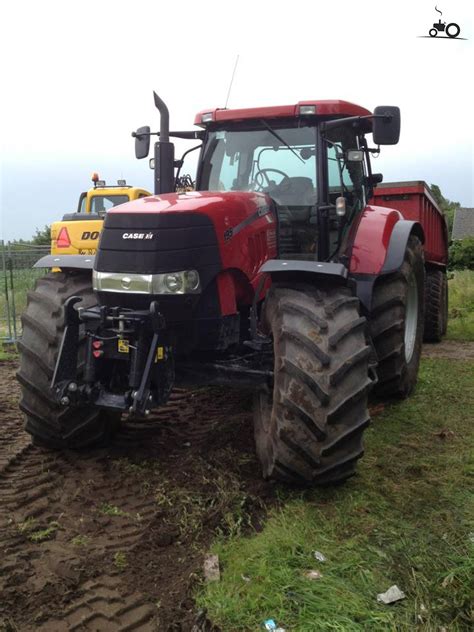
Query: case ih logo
[443,30]
[137,236]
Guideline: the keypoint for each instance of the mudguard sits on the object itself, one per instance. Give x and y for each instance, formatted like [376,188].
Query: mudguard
[280,268]
[66,262]
[379,248]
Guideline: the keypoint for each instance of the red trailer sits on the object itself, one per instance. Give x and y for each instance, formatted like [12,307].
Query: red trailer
[415,202]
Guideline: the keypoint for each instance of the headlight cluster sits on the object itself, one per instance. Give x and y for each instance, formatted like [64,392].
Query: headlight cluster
[184,282]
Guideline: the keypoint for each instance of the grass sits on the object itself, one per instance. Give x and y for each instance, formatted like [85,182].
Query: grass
[28,528]
[111,510]
[461,305]
[406,519]
[120,561]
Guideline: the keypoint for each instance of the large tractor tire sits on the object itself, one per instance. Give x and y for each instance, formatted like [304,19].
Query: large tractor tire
[309,426]
[396,324]
[436,305]
[50,424]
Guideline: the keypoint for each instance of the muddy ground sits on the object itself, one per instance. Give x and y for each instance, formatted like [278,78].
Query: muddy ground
[115,539]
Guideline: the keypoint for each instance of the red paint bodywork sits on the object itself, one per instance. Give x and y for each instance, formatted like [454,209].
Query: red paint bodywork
[415,202]
[323,108]
[243,254]
[371,240]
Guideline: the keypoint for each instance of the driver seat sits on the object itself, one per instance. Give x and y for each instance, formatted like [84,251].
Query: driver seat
[300,195]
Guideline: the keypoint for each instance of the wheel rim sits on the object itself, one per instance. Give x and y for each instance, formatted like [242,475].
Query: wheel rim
[411,317]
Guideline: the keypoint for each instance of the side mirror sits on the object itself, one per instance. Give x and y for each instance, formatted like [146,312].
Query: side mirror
[386,125]
[142,142]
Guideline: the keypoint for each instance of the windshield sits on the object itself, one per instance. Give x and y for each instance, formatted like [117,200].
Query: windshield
[102,203]
[280,163]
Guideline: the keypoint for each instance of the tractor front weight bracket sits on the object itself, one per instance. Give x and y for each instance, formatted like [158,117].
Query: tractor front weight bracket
[118,335]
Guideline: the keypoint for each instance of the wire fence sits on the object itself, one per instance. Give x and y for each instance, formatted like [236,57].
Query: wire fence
[17,277]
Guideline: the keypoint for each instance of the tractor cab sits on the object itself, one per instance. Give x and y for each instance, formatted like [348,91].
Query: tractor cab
[280,160]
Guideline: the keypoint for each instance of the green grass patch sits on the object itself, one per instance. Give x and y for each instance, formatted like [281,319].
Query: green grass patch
[461,305]
[111,510]
[406,519]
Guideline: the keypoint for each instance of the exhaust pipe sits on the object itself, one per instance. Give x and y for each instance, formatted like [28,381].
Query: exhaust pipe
[164,117]
[164,152]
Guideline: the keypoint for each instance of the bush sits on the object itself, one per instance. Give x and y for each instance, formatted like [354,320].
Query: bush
[461,254]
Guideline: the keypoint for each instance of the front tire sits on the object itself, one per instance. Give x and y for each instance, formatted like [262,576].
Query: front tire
[309,427]
[50,424]
[396,324]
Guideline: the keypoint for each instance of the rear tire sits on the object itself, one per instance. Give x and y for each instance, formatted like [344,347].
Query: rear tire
[309,428]
[436,303]
[396,324]
[50,424]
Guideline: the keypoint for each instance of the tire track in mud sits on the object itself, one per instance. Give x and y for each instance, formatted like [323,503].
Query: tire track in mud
[95,540]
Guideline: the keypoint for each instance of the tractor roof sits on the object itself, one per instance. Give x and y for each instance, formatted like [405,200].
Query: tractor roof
[328,108]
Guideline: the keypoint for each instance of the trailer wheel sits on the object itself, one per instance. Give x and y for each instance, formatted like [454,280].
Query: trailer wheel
[396,324]
[50,424]
[445,304]
[309,426]
[436,303]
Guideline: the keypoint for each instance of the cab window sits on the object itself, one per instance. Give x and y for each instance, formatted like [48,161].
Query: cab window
[102,203]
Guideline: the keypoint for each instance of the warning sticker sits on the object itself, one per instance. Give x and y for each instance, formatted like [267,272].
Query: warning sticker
[123,345]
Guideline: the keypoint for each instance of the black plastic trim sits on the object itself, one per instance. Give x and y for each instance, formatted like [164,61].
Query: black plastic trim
[285,266]
[398,244]
[79,262]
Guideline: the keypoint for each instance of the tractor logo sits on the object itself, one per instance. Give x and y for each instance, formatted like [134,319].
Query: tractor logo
[451,30]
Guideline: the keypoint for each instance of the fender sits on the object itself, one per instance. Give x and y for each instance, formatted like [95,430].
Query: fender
[379,248]
[70,262]
[282,269]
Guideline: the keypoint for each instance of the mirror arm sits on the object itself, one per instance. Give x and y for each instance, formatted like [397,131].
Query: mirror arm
[193,135]
[355,120]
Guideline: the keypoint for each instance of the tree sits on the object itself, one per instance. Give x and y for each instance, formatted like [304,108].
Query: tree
[42,237]
[461,254]
[447,206]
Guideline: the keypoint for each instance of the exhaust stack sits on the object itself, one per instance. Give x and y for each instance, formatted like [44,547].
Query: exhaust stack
[164,152]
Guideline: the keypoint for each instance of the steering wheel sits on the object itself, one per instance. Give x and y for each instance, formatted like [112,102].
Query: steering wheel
[262,175]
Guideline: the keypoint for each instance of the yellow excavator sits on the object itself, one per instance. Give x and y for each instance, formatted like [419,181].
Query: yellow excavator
[78,233]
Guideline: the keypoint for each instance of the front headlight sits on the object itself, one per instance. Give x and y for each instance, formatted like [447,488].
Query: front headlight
[183,282]
[173,282]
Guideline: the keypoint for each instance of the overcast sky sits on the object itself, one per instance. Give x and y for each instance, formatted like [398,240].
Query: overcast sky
[78,78]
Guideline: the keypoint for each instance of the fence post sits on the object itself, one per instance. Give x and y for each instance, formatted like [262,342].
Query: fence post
[12,286]
[7,303]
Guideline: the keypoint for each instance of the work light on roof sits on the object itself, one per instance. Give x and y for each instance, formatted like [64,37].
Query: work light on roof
[122,183]
[207,117]
[307,109]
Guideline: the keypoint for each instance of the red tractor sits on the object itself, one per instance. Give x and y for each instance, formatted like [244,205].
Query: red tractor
[273,275]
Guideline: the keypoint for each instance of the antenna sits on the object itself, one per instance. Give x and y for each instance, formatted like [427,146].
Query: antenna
[231,81]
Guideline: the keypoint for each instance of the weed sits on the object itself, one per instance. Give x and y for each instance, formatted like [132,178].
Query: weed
[80,540]
[44,534]
[120,560]
[26,526]
[111,510]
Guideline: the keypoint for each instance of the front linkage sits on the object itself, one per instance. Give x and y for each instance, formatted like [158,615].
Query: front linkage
[128,361]
[133,341]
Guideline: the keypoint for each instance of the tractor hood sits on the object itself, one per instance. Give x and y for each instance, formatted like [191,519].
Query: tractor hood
[239,204]
[179,231]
